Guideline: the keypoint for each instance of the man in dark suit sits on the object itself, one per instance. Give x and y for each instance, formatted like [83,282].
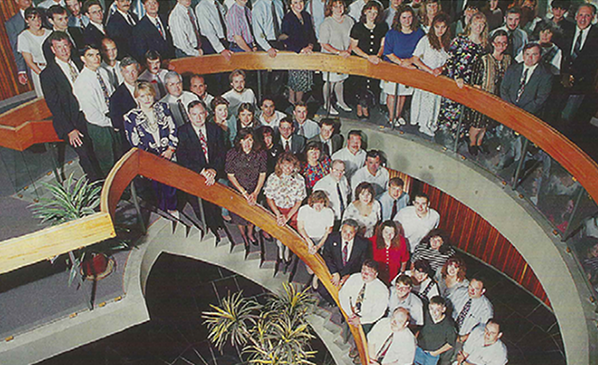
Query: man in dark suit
[201,149]
[527,84]
[344,253]
[331,142]
[288,140]
[151,33]
[578,70]
[14,26]
[94,31]
[123,100]
[59,19]
[120,27]
[69,122]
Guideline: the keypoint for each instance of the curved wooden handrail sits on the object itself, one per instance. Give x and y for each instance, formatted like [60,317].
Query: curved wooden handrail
[26,125]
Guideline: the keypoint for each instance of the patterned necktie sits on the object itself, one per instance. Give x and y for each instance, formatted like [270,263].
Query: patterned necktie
[345,253]
[275,21]
[73,72]
[301,130]
[576,47]
[159,27]
[463,313]
[246,11]
[204,145]
[104,88]
[340,197]
[222,23]
[183,111]
[522,85]
[394,209]
[359,300]
[195,27]
[130,20]
[287,146]
[384,349]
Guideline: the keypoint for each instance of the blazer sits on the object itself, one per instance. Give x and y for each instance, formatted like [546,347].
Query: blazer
[75,34]
[583,68]
[297,144]
[66,115]
[336,139]
[14,26]
[189,152]
[536,90]
[92,35]
[120,31]
[146,37]
[121,102]
[334,258]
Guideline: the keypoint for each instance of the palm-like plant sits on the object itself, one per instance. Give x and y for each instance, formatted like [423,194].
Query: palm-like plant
[275,333]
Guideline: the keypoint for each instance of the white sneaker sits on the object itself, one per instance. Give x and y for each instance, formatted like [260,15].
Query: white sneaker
[333,111]
[344,107]
[402,121]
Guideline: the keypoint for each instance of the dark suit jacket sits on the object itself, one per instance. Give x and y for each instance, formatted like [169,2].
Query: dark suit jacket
[297,144]
[78,38]
[190,155]
[121,102]
[63,105]
[75,33]
[584,67]
[536,90]
[92,35]
[146,37]
[334,258]
[337,142]
[15,25]
[120,31]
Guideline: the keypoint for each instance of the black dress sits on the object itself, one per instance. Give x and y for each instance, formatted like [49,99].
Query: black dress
[368,40]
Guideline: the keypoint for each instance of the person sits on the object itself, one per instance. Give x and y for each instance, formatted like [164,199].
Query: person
[298,36]
[337,188]
[435,249]
[238,28]
[458,27]
[76,17]
[238,93]
[528,84]
[399,44]
[356,8]
[94,32]
[201,149]
[391,341]
[303,126]
[29,45]
[484,346]
[58,19]
[120,26]
[402,297]
[315,221]
[284,192]
[69,122]
[246,170]
[314,168]
[424,285]
[265,136]
[552,56]
[389,13]
[517,36]
[185,30]
[428,12]
[334,39]
[177,99]
[363,297]
[430,55]
[222,119]
[110,63]
[269,115]
[437,336]
[452,276]
[389,250]
[464,52]
[417,220]
[123,99]
[470,307]
[151,127]
[151,33]
[246,117]
[372,173]
[331,142]
[93,90]
[394,199]
[493,14]
[46,4]
[352,154]
[198,86]
[210,17]
[266,21]
[289,141]
[487,75]
[317,10]
[364,209]
[367,41]
[529,16]
[559,19]
[14,26]
[154,73]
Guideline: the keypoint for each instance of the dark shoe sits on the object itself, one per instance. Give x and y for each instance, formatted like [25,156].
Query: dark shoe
[482,148]
[473,150]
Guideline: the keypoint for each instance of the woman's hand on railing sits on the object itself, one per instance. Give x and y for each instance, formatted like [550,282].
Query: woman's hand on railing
[374,59]
[210,175]
[460,83]
[168,153]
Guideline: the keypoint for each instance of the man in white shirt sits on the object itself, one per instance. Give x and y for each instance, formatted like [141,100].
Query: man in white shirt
[372,172]
[185,30]
[93,90]
[266,19]
[269,115]
[337,188]
[154,74]
[177,99]
[238,94]
[48,3]
[303,126]
[110,63]
[391,341]
[210,17]
[76,19]
[470,308]
[198,86]
[417,220]
[402,297]
[484,347]
[352,154]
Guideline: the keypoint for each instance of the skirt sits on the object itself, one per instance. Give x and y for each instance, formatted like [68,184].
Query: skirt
[390,87]
[334,77]
[301,80]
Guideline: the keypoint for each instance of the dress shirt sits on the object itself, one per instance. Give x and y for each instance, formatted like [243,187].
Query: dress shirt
[420,288]
[402,348]
[274,123]
[310,129]
[209,22]
[480,354]
[353,162]
[389,16]
[183,33]
[207,99]
[89,93]
[78,22]
[386,203]
[529,72]
[67,69]
[518,38]
[48,3]
[374,302]
[263,23]
[416,228]
[378,181]
[114,69]
[153,79]
[328,185]
[412,303]
[204,132]
[237,24]
[186,98]
[479,313]
[235,99]
[128,18]
[584,35]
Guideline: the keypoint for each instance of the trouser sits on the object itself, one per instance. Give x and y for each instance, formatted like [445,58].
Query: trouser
[106,146]
[87,159]
[424,358]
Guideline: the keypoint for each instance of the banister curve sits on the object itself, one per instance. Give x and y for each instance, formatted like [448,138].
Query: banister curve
[138,162]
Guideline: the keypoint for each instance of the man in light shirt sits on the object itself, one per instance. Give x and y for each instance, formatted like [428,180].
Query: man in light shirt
[394,199]
[154,73]
[210,16]
[484,347]
[391,341]
[303,126]
[269,115]
[178,99]
[110,62]
[417,220]
[238,94]
[372,173]
[337,188]
[185,30]
[199,87]
[352,154]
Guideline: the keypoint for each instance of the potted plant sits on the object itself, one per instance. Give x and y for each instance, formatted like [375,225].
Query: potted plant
[74,199]
[273,333]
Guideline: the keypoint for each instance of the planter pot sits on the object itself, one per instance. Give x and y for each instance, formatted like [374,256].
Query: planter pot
[97,266]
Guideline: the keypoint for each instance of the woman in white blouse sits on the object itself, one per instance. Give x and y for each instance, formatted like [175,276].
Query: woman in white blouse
[365,209]
[29,44]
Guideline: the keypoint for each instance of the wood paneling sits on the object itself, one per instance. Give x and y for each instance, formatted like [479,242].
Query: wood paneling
[9,86]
